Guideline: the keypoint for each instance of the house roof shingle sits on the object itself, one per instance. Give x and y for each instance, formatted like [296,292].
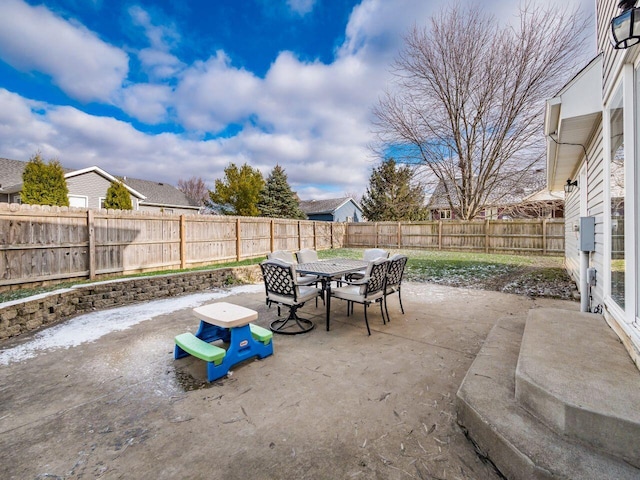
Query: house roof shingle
[158,192]
[329,205]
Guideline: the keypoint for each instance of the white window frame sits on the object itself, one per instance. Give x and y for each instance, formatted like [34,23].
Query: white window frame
[629,315]
[84,197]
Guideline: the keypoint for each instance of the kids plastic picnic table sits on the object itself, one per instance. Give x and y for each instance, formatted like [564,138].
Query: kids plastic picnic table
[232,325]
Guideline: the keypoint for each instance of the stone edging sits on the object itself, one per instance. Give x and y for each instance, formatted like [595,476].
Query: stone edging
[26,315]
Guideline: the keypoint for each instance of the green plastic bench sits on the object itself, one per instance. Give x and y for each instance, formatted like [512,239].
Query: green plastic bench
[199,348]
[260,334]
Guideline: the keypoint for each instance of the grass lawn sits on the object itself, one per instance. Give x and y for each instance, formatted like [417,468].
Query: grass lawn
[525,275]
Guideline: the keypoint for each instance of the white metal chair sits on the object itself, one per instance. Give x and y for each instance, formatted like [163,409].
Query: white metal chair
[367,290]
[393,284]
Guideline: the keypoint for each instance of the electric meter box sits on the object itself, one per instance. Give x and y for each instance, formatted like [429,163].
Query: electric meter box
[587,234]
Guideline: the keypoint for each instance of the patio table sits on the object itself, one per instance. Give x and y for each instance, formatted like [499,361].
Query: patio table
[330,269]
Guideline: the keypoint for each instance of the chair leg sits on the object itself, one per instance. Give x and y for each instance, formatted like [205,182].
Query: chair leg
[280,326]
[386,309]
[384,322]
[400,299]
[366,320]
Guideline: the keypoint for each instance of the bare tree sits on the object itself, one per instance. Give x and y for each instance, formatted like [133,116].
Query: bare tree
[357,197]
[195,190]
[468,97]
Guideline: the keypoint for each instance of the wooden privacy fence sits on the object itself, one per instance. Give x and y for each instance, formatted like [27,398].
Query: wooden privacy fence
[539,237]
[40,244]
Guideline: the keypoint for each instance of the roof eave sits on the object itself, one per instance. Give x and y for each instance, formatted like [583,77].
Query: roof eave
[571,119]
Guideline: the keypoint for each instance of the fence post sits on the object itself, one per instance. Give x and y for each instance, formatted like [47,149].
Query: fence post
[238,240]
[331,233]
[399,234]
[315,238]
[92,244]
[486,236]
[439,234]
[544,236]
[375,235]
[272,233]
[183,242]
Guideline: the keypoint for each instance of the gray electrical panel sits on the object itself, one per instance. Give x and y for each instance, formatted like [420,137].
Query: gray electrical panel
[587,234]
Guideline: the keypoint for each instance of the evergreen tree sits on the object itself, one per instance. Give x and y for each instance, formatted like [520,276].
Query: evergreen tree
[393,196]
[118,197]
[238,193]
[277,200]
[44,184]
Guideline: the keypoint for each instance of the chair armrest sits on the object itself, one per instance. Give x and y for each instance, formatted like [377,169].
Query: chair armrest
[359,281]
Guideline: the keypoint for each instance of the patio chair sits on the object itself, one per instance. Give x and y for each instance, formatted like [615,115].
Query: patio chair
[394,280]
[369,255]
[283,255]
[307,255]
[288,257]
[282,288]
[367,290]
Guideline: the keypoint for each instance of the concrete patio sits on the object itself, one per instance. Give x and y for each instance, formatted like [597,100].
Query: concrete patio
[326,405]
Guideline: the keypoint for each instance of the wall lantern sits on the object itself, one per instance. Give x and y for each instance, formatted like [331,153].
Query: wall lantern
[570,186]
[625,28]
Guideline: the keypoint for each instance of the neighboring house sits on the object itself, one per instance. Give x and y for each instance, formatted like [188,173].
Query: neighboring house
[88,188]
[332,210]
[528,198]
[592,131]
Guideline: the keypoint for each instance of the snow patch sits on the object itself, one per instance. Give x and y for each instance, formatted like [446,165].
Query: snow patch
[91,326]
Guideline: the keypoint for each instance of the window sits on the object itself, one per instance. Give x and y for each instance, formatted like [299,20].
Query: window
[17,198]
[445,214]
[101,202]
[78,201]
[617,196]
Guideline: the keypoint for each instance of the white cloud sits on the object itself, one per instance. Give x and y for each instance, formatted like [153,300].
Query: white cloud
[146,102]
[161,37]
[157,61]
[82,65]
[158,64]
[213,94]
[301,7]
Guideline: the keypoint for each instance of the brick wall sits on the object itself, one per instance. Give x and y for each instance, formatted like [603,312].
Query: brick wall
[29,314]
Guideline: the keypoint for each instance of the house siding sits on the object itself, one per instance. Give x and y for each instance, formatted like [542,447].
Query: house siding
[94,187]
[320,217]
[605,11]
[595,208]
[347,211]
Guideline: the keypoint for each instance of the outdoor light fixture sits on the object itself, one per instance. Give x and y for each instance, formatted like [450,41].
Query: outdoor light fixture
[570,186]
[625,28]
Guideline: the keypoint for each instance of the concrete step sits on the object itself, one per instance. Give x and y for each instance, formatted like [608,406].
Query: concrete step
[520,446]
[575,376]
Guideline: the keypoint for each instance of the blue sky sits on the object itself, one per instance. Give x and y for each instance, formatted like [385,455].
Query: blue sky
[165,90]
